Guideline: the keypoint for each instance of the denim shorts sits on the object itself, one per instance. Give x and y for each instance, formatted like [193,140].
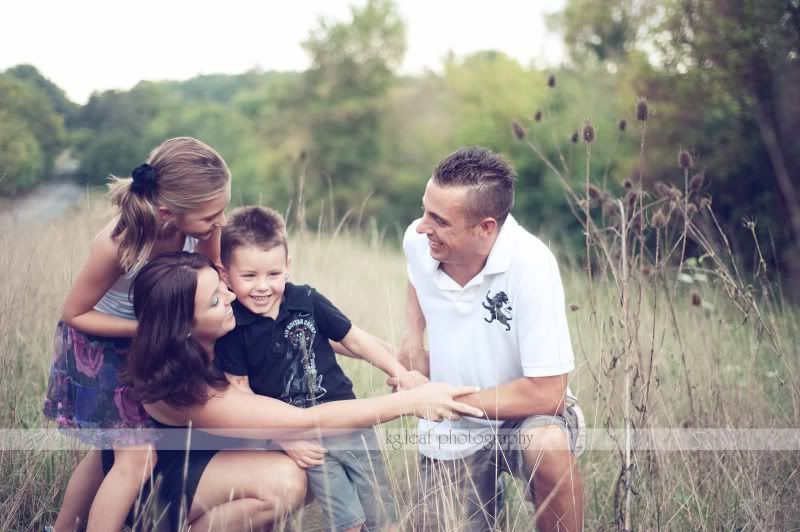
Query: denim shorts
[462,493]
[352,484]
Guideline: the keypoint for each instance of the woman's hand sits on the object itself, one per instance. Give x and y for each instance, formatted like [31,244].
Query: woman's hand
[435,401]
[305,453]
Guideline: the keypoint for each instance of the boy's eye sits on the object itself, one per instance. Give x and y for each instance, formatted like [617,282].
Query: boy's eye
[214,301]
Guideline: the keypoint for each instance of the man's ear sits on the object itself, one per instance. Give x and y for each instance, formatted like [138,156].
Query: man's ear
[487,227]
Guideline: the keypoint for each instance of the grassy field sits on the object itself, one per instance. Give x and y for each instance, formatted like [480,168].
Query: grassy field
[704,359]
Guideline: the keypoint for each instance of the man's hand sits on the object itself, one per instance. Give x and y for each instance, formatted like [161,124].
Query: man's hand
[305,453]
[407,380]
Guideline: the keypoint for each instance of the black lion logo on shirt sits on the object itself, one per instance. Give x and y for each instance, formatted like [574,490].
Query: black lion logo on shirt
[496,311]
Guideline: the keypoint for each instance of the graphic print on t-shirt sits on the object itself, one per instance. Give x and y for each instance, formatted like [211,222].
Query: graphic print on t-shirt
[496,309]
[302,385]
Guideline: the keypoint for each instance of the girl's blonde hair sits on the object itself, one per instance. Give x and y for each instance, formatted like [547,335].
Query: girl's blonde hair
[188,173]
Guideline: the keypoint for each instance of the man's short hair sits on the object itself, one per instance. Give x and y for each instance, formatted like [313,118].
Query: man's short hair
[252,226]
[490,178]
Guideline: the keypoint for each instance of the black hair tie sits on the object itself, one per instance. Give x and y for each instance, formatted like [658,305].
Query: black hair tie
[144,179]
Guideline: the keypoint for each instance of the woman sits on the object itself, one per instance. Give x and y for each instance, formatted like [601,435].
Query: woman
[183,308]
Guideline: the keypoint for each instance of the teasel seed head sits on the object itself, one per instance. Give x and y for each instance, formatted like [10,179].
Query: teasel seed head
[696,300]
[538,116]
[627,184]
[691,210]
[551,81]
[685,160]
[519,131]
[588,132]
[659,219]
[594,193]
[623,124]
[705,202]
[573,307]
[642,111]
[575,138]
[631,197]
[637,222]
[675,193]
[662,190]
[697,181]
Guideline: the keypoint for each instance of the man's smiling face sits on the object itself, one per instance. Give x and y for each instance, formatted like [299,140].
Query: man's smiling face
[451,237]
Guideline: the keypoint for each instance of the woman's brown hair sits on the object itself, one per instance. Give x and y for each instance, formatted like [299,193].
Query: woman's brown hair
[186,174]
[165,362]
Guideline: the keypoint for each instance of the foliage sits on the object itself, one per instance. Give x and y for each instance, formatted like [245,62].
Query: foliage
[33,132]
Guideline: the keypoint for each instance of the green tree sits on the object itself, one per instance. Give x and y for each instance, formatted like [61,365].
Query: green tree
[352,65]
[27,111]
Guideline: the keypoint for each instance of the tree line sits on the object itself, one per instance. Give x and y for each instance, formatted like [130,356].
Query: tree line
[350,137]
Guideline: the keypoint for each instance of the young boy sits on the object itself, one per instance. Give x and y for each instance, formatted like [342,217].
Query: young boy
[281,348]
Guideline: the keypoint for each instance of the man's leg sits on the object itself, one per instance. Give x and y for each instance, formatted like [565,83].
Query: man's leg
[553,478]
[456,494]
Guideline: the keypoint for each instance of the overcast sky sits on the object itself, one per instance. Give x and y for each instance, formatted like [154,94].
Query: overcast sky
[91,45]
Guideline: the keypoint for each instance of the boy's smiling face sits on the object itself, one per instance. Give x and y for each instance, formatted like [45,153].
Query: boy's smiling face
[258,278]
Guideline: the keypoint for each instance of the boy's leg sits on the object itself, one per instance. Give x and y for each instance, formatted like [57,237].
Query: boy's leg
[335,492]
[81,489]
[362,458]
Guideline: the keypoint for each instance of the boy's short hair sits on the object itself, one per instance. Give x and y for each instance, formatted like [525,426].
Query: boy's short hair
[261,227]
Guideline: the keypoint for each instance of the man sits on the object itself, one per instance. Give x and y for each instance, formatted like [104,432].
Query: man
[491,298]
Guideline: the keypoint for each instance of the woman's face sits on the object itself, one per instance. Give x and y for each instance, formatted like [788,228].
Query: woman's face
[213,315]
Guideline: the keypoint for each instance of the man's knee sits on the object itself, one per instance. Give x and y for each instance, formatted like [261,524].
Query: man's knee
[547,452]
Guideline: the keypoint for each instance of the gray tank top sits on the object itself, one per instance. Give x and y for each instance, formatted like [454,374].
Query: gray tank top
[118,301]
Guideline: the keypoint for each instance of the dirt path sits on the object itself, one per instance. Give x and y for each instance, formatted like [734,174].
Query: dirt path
[44,204]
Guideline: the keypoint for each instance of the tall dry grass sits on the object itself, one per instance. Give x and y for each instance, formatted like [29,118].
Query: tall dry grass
[707,365]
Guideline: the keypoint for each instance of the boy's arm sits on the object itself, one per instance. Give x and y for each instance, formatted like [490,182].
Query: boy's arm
[363,345]
[366,347]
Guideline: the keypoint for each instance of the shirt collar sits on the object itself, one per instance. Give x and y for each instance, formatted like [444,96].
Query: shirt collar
[499,260]
[295,297]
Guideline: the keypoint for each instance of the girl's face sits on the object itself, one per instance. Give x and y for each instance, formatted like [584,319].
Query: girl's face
[213,315]
[202,222]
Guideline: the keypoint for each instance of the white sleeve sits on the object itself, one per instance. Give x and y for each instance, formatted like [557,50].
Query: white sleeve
[409,252]
[543,335]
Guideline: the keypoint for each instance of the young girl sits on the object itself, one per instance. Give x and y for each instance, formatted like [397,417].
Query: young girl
[174,202]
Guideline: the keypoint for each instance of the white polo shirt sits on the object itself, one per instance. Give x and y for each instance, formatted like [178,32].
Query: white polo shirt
[508,322]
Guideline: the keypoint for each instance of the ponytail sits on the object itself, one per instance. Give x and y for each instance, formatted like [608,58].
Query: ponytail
[138,224]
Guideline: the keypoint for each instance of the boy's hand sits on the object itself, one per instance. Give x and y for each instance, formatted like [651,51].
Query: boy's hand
[407,380]
[305,453]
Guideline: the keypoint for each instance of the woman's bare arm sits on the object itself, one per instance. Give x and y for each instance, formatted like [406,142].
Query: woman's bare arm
[240,414]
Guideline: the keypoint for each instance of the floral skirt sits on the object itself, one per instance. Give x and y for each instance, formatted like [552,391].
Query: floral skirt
[85,396]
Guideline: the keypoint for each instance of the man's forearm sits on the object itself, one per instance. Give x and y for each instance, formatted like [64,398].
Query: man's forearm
[521,398]
[415,358]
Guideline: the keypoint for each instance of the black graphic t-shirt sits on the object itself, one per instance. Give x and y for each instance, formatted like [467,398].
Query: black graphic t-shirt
[289,358]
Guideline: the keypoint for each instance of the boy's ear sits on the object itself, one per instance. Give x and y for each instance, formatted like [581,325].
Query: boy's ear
[223,274]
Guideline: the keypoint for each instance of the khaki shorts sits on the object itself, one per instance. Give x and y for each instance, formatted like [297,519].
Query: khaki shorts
[462,494]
